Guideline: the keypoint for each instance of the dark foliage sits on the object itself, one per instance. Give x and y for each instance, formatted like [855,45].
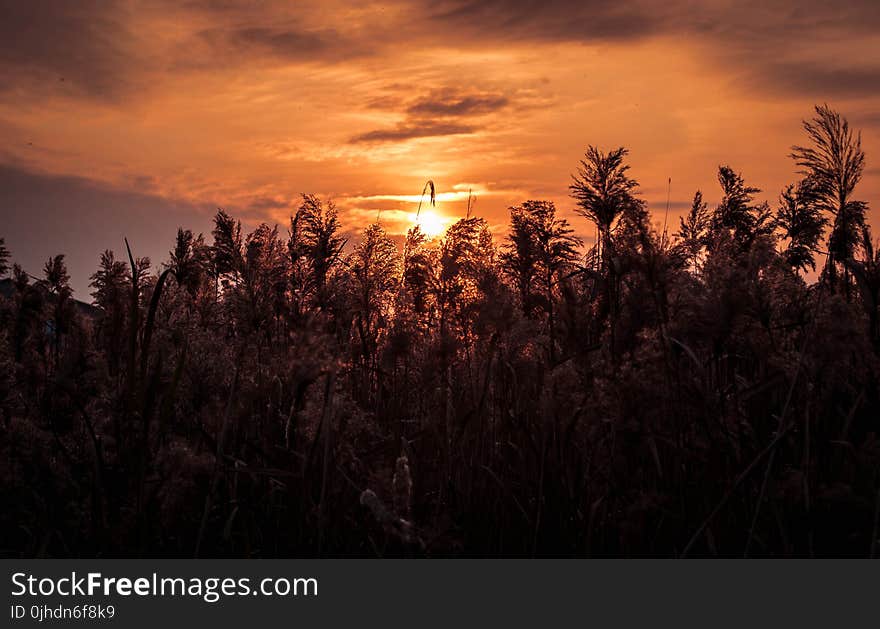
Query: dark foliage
[271,396]
[802,222]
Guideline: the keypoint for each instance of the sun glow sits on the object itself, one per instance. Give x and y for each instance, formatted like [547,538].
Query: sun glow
[431,223]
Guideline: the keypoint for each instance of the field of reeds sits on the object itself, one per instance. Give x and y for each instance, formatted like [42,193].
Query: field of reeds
[708,389]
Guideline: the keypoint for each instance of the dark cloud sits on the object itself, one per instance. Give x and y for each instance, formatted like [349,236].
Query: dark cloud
[285,44]
[81,218]
[104,48]
[410,131]
[74,48]
[818,81]
[762,42]
[225,7]
[269,202]
[749,21]
[446,111]
[448,103]
[557,20]
[387,102]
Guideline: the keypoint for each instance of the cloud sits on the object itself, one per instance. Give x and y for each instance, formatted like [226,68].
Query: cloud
[113,48]
[786,48]
[554,20]
[755,21]
[74,48]
[284,44]
[110,49]
[81,218]
[449,103]
[411,131]
[817,80]
[441,112]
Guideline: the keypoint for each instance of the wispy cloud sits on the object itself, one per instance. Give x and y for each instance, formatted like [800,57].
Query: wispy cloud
[454,103]
[291,44]
[409,131]
[440,112]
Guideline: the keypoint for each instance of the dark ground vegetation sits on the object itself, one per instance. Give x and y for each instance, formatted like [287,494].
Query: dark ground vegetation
[710,389]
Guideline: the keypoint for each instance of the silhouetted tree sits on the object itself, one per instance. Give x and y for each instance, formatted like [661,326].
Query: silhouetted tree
[375,272]
[227,247]
[4,258]
[604,192]
[737,217]
[57,280]
[520,257]
[540,249]
[463,256]
[111,293]
[56,276]
[315,247]
[834,164]
[190,260]
[264,276]
[253,273]
[417,272]
[28,315]
[694,229]
[867,278]
[801,223]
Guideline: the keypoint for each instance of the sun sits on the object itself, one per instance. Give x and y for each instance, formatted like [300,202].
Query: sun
[431,224]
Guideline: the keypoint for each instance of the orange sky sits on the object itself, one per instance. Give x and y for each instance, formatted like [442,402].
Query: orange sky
[129,118]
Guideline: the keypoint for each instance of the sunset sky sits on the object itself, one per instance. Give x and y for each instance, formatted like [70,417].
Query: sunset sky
[131,118]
